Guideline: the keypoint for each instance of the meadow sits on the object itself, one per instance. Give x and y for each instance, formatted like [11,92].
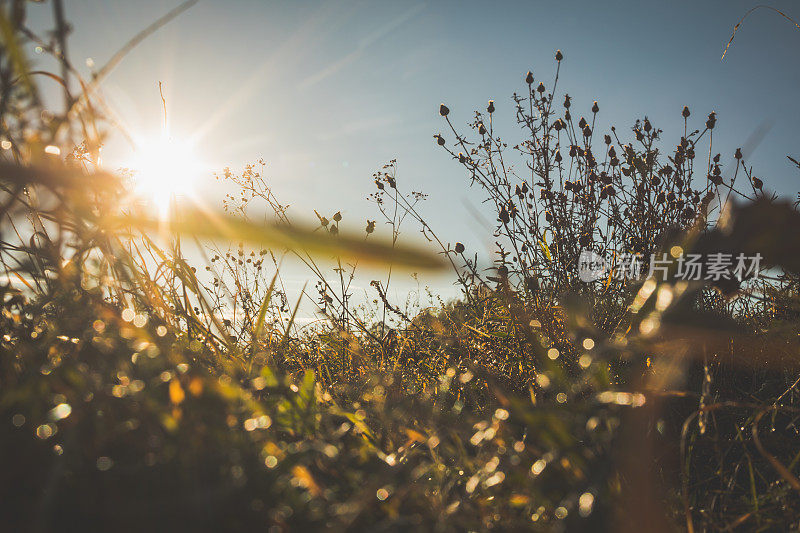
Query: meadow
[143,389]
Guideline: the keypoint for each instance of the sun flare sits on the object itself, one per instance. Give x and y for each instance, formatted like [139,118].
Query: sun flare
[163,169]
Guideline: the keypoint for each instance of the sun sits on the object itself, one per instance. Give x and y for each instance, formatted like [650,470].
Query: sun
[163,169]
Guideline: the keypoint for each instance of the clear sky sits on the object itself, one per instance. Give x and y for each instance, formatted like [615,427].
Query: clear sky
[326,92]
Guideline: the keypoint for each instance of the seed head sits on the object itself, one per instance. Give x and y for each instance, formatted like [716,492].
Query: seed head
[461,157]
[490,109]
[444,110]
[481,129]
[595,107]
[459,248]
[370,226]
[738,154]
[685,112]
[529,78]
[439,139]
[757,183]
[503,215]
[540,88]
[566,101]
[337,217]
[712,120]
[559,55]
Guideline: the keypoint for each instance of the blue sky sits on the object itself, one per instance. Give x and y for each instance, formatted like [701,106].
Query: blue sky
[326,92]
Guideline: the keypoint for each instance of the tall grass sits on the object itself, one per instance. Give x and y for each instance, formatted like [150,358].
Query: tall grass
[141,391]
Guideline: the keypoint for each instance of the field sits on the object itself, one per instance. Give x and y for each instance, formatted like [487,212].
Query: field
[146,387]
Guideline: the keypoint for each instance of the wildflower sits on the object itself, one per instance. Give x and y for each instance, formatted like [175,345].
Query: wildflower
[444,110]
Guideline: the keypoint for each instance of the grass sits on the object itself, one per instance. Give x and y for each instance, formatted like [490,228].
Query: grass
[140,391]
